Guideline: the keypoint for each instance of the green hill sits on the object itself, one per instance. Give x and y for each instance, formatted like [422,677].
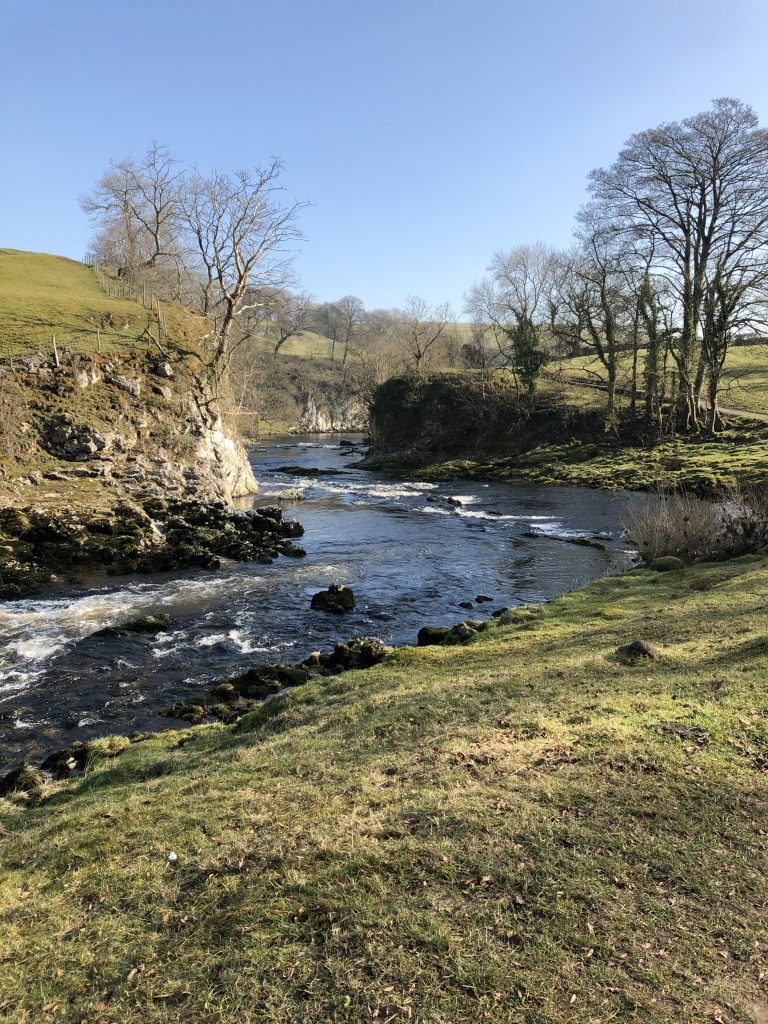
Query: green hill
[522,829]
[43,295]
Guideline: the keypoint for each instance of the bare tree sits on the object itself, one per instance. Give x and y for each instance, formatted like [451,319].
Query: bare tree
[241,234]
[340,322]
[696,192]
[288,317]
[136,208]
[513,304]
[423,328]
[379,352]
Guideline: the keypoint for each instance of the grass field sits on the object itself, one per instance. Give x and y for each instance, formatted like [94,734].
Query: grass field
[745,378]
[521,830]
[43,295]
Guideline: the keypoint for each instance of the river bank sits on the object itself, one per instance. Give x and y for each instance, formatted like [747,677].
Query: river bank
[438,429]
[415,554]
[407,839]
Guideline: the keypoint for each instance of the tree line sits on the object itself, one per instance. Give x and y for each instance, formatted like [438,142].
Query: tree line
[667,269]
[224,245]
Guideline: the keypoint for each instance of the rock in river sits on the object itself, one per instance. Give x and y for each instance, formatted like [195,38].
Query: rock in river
[337,598]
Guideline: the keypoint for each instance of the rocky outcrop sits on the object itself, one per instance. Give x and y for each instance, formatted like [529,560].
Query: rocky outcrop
[120,419]
[337,599]
[38,548]
[227,463]
[232,699]
[333,413]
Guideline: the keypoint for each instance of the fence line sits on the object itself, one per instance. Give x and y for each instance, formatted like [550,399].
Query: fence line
[123,288]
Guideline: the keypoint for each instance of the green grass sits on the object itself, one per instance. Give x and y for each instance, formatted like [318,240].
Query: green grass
[522,830]
[308,345]
[42,295]
[745,377]
[703,465]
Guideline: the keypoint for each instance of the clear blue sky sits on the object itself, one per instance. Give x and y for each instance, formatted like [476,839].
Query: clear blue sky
[427,133]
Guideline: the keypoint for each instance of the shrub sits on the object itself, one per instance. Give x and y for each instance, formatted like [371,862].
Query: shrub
[695,530]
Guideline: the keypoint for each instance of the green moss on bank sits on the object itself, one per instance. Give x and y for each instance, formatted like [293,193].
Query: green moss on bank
[701,465]
[443,428]
[523,829]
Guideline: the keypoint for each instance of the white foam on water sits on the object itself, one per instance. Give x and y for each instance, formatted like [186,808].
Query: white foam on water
[34,632]
[466,499]
[89,719]
[479,514]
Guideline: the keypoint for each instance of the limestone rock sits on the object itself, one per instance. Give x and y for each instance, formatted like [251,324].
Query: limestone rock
[131,386]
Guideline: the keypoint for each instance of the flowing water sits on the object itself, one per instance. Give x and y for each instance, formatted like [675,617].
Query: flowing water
[410,551]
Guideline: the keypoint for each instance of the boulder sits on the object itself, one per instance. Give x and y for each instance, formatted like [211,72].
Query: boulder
[130,386]
[337,599]
[86,378]
[433,636]
[445,636]
[362,652]
[636,650]
[162,369]
[667,563]
[145,624]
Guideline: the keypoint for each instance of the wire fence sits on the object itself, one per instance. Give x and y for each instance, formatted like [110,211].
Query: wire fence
[117,287]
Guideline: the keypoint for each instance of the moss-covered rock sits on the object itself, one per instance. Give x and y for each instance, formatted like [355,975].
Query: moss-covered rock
[667,563]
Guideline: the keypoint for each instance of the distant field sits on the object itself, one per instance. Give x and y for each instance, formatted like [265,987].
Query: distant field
[307,346]
[745,380]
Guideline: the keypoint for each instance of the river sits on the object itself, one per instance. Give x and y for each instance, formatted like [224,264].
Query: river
[410,551]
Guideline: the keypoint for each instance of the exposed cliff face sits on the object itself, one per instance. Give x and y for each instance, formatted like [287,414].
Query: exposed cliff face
[139,425]
[332,412]
[304,395]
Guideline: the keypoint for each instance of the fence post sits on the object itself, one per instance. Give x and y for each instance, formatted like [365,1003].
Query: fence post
[55,351]
[98,340]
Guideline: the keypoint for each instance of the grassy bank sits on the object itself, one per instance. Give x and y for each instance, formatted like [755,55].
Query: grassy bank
[523,829]
[443,427]
[701,465]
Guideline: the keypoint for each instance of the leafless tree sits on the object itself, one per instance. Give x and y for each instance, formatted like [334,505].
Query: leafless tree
[288,317]
[242,237]
[379,353]
[513,304]
[136,209]
[423,328]
[696,192]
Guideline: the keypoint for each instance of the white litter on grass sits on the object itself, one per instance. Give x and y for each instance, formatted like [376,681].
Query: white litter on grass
[172,857]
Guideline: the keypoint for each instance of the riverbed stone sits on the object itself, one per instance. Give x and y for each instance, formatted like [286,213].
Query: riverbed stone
[432,636]
[637,650]
[337,599]
[144,624]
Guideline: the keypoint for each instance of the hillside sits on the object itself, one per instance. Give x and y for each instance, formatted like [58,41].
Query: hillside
[744,386]
[521,829]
